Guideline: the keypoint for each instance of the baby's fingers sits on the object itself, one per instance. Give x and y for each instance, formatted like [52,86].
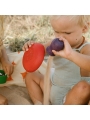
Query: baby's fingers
[55,52]
[27,45]
[64,40]
[6,70]
[11,70]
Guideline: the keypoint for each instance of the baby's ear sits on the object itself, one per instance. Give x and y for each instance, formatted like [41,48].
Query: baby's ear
[86,28]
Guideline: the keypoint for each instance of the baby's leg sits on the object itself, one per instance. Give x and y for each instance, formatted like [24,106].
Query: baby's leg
[79,94]
[3,100]
[35,84]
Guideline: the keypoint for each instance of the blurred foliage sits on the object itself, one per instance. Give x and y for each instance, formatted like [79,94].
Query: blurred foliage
[18,29]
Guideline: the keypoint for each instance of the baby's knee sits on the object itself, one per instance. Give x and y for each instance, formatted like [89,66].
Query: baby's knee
[3,100]
[29,77]
[83,87]
[83,90]
[79,94]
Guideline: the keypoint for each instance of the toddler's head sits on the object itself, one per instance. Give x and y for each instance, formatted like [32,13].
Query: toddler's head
[71,27]
[81,20]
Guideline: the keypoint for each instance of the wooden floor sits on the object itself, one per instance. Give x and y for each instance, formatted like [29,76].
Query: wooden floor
[16,95]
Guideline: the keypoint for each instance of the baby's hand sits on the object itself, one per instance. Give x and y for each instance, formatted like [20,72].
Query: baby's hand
[7,67]
[66,52]
[27,45]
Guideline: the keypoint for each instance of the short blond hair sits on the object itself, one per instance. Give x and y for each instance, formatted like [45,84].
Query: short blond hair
[80,19]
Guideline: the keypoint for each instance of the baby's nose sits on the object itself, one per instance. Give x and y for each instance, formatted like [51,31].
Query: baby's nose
[60,36]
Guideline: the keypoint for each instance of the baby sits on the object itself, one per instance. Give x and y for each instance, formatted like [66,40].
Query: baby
[70,80]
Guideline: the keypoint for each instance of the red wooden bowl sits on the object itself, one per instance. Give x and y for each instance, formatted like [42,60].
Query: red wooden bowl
[33,58]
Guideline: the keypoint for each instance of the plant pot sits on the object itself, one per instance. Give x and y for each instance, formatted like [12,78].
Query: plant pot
[3,77]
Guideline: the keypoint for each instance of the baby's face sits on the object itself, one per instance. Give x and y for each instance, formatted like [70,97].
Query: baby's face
[71,31]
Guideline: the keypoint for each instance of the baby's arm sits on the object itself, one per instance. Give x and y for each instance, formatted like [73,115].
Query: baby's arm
[85,50]
[6,64]
[81,59]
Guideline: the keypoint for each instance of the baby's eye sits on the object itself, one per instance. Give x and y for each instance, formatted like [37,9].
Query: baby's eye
[67,32]
[56,32]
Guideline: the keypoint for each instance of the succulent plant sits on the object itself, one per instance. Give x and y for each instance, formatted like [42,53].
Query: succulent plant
[16,45]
